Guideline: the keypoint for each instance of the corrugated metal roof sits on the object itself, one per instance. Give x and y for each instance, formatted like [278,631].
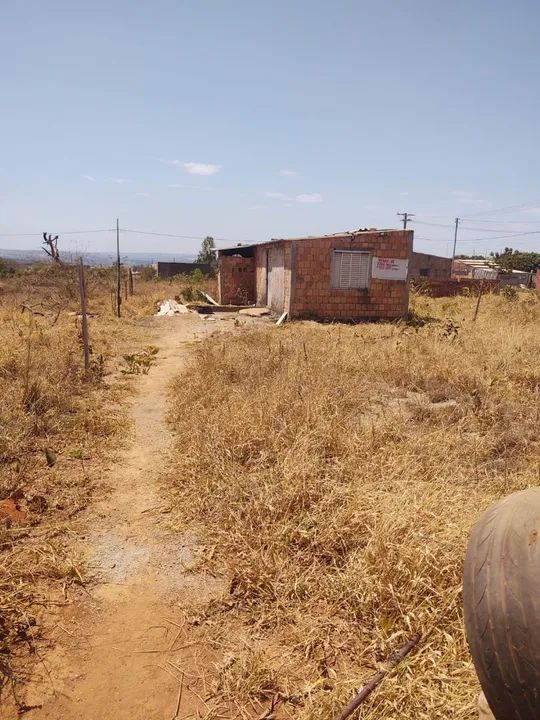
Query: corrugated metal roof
[341,234]
[346,233]
[486,265]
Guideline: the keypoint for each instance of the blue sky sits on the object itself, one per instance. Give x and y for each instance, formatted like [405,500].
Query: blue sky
[249,119]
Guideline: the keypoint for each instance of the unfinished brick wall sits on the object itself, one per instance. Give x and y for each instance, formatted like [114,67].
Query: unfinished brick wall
[314,296]
[457,286]
[434,265]
[236,280]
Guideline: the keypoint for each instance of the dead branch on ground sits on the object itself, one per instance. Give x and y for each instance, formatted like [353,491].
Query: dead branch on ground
[368,688]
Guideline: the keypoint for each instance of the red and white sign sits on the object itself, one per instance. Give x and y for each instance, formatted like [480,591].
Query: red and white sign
[389,268]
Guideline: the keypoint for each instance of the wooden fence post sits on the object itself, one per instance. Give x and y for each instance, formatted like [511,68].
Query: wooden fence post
[478,301]
[84,319]
[130,281]
[118,278]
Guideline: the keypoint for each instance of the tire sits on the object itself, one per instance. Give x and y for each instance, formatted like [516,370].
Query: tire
[501,596]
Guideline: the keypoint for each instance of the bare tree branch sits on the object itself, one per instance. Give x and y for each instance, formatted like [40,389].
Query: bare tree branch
[51,246]
[368,688]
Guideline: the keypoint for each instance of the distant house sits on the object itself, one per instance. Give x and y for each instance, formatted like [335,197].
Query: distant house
[464,267]
[488,270]
[354,275]
[170,269]
[423,267]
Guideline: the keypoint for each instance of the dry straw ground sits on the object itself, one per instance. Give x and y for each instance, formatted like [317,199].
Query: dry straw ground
[57,430]
[336,471]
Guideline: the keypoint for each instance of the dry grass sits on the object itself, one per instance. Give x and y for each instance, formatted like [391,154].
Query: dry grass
[47,405]
[338,470]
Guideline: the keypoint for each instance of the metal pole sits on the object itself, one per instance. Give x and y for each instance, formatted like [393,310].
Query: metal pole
[454,250]
[118,284]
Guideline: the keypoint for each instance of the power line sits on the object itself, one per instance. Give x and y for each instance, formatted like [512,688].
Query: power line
[501,237]
[127,230]
[474,229]
[508,208]
[474,240]
[158,234]
[481,220]
[498,222]
[185,237]
[56,232]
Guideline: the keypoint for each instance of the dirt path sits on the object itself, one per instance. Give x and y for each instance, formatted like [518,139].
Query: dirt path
[110,655]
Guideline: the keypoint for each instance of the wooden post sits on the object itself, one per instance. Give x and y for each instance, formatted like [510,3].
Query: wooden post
[130,281]
[28,356]
[84,319]
[118,283]
[478,301]
[125,289]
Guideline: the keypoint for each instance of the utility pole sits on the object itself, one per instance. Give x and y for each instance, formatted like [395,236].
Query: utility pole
[406,217]
[454,250]
[118,284]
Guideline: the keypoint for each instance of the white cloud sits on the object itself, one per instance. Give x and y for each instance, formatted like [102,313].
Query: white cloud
[276,195]
[142,194]
[178,186]
[288,173]
[309,198]
[195,168]
[258,207]
[90,178]
[404,193]
[117,180]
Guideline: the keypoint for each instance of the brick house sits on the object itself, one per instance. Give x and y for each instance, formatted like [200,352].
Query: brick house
[423,266]
[354,275]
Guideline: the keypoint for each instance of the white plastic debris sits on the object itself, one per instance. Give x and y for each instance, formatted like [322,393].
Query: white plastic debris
[207,297]
[171,307]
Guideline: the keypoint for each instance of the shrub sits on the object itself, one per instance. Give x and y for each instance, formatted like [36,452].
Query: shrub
[508,292]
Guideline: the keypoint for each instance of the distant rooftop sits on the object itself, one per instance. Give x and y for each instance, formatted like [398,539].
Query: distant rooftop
[486,264]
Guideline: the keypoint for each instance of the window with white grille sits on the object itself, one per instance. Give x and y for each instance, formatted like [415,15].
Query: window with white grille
[350,269]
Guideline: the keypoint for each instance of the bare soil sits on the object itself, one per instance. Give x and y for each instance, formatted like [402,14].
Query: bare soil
[112,652]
